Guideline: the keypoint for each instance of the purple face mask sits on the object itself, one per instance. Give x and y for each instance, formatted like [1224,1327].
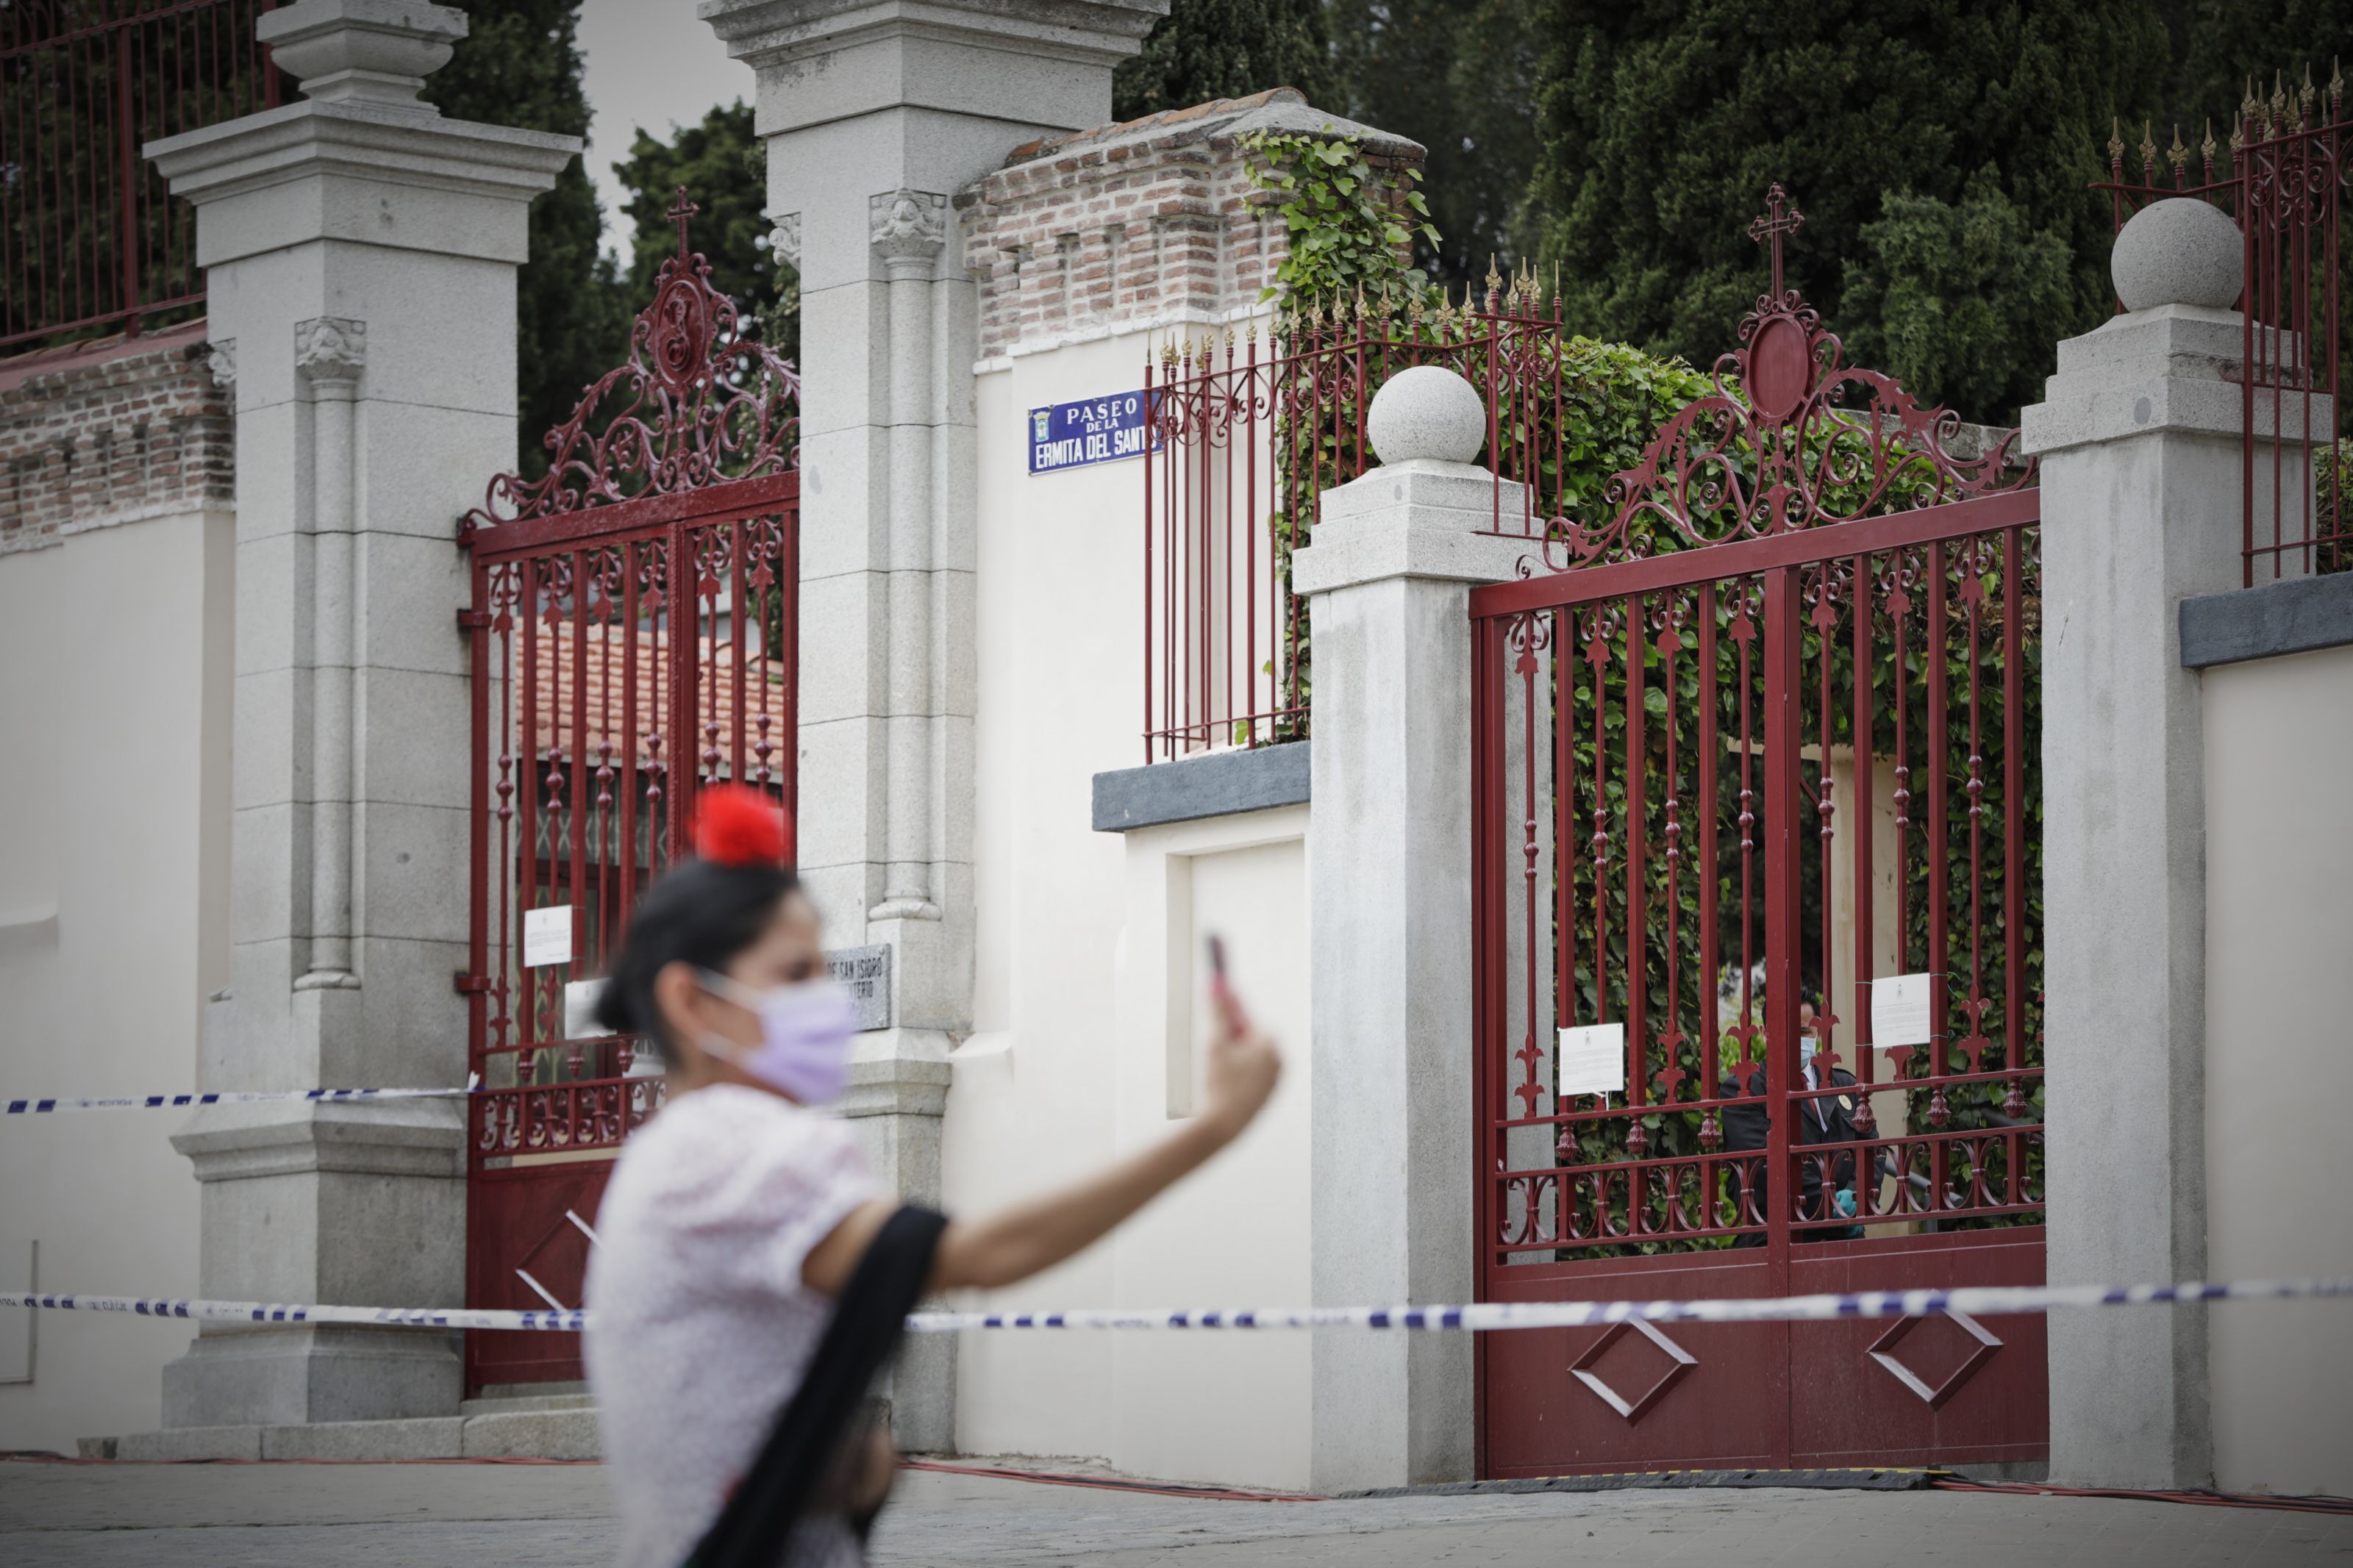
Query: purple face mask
[805,1034]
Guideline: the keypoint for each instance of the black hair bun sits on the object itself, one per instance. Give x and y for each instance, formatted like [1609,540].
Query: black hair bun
[614,1015]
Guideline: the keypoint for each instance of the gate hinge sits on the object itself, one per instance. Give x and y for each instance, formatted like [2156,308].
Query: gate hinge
[472,984]
[473,620]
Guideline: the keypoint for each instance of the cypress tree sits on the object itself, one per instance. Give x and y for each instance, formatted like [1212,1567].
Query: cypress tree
[520,65]
[1909,132]
[2219,47]
[1225,49]
[1457,76]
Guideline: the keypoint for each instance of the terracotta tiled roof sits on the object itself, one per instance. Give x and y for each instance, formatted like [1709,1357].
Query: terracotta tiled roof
[602,669]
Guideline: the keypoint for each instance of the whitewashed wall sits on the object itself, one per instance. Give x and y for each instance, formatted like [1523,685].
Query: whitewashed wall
[114,692]
[2279,1063]
[1088,984]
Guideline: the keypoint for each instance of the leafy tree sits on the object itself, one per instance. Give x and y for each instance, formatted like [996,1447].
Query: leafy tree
[1662,121]
[1225,49]
[1958,297]
[520,65]
[725,168]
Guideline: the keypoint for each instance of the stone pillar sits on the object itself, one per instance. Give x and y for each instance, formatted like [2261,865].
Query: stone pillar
[1389,576]
[360,253]
[2139,440]
[874,118]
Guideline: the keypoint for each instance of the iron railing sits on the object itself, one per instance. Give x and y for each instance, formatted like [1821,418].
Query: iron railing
[1250,431]
[2283,183]
[91,239]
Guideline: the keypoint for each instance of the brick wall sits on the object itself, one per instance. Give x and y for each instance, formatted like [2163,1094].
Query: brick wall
[1139,225]
[89,440]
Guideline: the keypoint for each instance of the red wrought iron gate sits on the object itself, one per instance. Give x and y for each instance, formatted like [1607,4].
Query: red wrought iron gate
[635,636]
[1755,742]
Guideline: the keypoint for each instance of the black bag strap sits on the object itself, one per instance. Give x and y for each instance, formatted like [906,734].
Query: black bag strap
[868,1320]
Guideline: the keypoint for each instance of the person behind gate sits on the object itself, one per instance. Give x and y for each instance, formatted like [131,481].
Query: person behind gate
[1822,1119]
[749,1264]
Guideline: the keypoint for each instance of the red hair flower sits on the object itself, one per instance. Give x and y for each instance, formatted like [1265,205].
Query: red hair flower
[738,826]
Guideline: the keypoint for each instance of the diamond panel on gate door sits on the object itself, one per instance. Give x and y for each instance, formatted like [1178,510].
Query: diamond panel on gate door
[1947,1350]
[1645,1349]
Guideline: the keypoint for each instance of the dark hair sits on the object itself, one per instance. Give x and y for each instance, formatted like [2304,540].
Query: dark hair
[700,912]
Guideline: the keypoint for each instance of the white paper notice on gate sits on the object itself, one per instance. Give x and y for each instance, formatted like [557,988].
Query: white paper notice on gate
[547,936]
[1899,1011]
[1593,1059]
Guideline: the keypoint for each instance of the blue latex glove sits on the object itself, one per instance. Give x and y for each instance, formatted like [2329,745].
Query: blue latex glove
[1844,1202]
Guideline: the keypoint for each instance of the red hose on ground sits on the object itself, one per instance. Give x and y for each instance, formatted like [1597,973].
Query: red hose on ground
[1106,1483]
[2336,1505]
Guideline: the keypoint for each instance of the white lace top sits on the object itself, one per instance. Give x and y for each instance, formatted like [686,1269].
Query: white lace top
[700,1326]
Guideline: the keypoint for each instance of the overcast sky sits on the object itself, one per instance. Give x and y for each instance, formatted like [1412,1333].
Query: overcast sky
[650,63]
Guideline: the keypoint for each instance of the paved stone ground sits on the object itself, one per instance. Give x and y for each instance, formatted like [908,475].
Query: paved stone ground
[519,1516]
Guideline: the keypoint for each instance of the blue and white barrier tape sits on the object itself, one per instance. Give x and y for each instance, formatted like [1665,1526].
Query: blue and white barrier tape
[1987,1301]
[224,1097]
[280,1312]
[1973,1301]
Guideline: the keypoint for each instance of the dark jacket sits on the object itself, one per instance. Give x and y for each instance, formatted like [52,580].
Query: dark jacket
[1747,1127]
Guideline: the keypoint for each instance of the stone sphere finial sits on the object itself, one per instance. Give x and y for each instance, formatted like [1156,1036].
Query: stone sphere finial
[1427,412]
[2179,251]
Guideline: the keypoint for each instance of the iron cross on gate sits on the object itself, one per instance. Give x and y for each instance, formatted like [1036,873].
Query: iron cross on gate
[682,209]
[1782,217]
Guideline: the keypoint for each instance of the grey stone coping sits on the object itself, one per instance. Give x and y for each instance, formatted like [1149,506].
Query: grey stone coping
[2293,616]
[1218,784]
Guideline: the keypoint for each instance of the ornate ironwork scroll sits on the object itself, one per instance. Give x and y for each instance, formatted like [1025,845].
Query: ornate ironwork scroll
[1791,437]
[696,404]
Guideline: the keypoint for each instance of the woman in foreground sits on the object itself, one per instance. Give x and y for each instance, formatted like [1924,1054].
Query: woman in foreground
[738,1217]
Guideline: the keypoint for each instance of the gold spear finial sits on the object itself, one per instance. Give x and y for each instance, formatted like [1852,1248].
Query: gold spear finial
[2279,98]
[2206,148]
[2148,146]
[2115,140]
[2177,155]
[1494,281]
[2238,133]
[2337,88]
[2310,95]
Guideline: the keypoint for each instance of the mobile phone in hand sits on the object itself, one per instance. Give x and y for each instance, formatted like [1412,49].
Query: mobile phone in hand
[1230,1007]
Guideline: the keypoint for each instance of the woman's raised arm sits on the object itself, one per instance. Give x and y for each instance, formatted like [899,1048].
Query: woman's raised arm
[1038,1233]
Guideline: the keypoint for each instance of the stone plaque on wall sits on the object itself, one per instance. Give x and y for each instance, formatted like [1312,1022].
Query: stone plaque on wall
[865,972]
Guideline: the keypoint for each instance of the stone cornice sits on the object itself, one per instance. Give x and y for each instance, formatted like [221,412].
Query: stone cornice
[1424,518]
[397,1138]
[766,33]
[2170,370]
[360,142]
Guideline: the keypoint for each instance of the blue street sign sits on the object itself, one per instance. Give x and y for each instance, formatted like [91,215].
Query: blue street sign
[1099,430]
